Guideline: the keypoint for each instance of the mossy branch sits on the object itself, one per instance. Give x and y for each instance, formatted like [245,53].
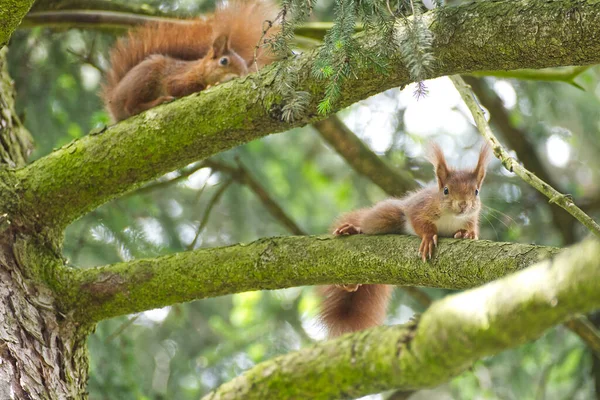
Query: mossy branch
[272,263]
[450,336]
[11,14]
[86,173]
[554,196]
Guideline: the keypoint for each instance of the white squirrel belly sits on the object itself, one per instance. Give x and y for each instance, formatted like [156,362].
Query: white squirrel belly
[448,224]
[408,228]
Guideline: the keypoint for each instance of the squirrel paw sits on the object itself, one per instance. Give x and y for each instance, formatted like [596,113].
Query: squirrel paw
[428,242]
[349,288]
[347,229]
[465,234]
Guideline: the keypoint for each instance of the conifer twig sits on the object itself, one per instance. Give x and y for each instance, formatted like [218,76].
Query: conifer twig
[564,201]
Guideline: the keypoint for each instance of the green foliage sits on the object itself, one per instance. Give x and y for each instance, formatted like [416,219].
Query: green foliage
[341,53]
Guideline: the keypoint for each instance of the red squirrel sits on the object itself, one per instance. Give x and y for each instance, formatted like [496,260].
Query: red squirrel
[159,62]
[450,209]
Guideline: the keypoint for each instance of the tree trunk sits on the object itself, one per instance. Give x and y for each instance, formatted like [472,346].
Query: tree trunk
[43,353]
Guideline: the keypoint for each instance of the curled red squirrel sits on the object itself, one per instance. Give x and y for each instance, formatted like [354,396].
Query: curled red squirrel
[450,209]
[162,61]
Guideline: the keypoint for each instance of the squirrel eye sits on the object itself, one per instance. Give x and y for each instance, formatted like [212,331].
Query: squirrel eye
[224,61]
[476,192]
[446,190]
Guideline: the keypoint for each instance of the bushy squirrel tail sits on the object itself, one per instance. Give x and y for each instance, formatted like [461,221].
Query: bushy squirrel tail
[243,21]
[344,312]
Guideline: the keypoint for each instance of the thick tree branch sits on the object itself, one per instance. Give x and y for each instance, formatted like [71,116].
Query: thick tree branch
[451,335]
[88,172]
[362,159]
[273,263]
[11,14]
[563,221]
[563,201]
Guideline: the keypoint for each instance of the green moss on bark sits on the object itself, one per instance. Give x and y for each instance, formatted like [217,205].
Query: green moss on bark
[273,263]
[484,35]
[451,335]
[11,14]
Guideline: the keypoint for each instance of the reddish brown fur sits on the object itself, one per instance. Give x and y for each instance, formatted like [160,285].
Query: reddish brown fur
[343,311]
[239,22]
[428,212]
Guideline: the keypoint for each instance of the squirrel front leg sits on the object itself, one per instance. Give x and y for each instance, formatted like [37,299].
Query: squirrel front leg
[471,231]
[428,233]
[384,217]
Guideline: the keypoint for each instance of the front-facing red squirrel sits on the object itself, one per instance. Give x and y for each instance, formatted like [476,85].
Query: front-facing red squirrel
[449,209]
[162,61]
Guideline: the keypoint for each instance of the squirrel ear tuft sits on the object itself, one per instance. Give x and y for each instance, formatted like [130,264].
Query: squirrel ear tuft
[484,158]
[220,46]
[436,156]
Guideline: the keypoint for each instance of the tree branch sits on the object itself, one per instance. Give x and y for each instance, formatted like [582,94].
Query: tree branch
[365,162]
[567,74]
[525,151]
[586,331]
[243,176]
[97,5]
[97,168]
[272,263]
[113,21]
[451,335]
[11,14]
[212,202]
[563,201]
[362,159]
[119,18]
[517,140]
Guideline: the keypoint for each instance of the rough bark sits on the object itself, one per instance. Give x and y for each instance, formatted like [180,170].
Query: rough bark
[481,35]
[15,141]
[43,354]
[273,263]
[451,335]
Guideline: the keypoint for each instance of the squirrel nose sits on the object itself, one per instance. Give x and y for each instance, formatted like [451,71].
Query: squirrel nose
[463,205]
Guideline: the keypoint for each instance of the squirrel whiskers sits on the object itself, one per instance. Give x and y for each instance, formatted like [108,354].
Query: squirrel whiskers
[449,209]
[159,62]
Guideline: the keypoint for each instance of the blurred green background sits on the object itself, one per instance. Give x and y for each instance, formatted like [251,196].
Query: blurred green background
[183,351]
